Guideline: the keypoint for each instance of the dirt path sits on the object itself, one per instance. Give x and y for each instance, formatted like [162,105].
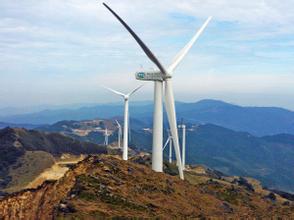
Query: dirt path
[56,171]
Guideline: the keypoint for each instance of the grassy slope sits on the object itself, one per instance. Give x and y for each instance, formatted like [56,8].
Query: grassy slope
[114,188]
[106,186]
[27,167]
[24,154]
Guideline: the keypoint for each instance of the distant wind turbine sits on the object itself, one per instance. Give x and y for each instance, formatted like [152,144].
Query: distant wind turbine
[106,137]
[183,127]
[170,142]
[119,134]
[159,77]
[126,117]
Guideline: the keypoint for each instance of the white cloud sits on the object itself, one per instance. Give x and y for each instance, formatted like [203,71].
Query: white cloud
[222,82]
[81,40]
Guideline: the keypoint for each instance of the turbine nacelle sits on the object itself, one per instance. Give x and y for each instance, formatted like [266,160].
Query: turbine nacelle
[151,76]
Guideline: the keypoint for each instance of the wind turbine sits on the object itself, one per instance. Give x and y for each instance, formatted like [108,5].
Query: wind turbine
[183,127]
[126,117]
[170,142]
[163,75]
[118,134]
[106,137]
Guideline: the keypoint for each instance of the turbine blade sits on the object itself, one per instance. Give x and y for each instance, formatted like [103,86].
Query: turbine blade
[118,124]
[167,141]
[135,90]
[179,57]
[171,115]
[130,130]
[114,91]
[139,41]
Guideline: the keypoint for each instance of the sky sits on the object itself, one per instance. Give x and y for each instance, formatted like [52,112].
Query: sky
[56,52]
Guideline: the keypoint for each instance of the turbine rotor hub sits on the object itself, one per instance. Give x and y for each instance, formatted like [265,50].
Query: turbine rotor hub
[167,76]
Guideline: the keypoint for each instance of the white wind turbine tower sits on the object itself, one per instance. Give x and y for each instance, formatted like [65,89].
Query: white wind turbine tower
[160,77]
[126,117]
[118,134]
[183,127]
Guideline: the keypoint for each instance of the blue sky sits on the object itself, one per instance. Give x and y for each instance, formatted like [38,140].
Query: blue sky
[59,52]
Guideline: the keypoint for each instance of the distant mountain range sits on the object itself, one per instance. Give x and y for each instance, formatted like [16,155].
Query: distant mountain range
[259,121]
[12,125]
[255,120]
[268,159]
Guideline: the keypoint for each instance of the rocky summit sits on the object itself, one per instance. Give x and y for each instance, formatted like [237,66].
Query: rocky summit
[107,187]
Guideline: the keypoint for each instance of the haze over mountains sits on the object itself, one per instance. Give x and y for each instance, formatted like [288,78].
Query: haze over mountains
[259,121]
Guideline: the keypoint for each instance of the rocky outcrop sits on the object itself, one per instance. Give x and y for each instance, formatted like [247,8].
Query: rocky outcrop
[108,187]
[38,203]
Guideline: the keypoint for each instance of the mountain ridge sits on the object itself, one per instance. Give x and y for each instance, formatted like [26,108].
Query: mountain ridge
[20,150]
[108,187]
[259,121]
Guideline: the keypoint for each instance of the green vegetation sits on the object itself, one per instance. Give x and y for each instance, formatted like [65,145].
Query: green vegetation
[91,188]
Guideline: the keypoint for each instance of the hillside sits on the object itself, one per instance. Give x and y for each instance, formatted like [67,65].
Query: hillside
[93,130]
[242,154]
[268,159]
[26,153]
[85,131]
[107,187]
[258,121]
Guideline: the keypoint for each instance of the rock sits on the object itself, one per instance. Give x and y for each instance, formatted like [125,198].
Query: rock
[271,196]
[227,208]
[66,208]
[130,170]
[243,182]
[286,203]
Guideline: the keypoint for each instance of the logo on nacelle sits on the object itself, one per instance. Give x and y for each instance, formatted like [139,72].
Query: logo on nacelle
[149,76]
[141,75]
